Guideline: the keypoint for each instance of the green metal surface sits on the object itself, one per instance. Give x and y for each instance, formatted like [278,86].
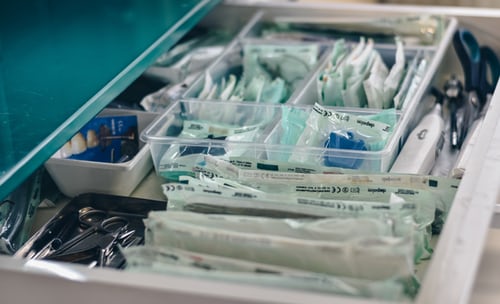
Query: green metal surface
[61,62]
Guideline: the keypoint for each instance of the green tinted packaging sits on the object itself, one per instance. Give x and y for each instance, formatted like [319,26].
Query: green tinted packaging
[177,262]
[393,256]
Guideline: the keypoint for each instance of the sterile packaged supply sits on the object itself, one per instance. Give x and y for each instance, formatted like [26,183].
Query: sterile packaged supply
[176,262]
[357,76]
[373,62]
[206,234]
[258,71]
[278,134]
[196,196]
[441,189]
[424,208]
[160,100]
[193,54]
[414,30]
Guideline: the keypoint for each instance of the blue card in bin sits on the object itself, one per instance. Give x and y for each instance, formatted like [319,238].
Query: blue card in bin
[112,139]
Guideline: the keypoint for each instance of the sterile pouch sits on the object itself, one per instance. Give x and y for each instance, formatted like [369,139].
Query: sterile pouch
[393,80]
[355,70]
[258,89]
[252,177]
[290,62]
[180,194]
[293,122]
[193,264]
[374,84]
[328,229]
[331,80]
[411,73]
[415,83]
[413,29]
[271,179]
[393,255]
[191,64]
[360,78]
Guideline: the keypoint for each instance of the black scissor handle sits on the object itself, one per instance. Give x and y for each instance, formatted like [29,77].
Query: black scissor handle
[489,73]
[469,53]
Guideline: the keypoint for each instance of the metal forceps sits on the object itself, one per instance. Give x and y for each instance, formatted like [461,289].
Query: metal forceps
[101,233]
[481,69]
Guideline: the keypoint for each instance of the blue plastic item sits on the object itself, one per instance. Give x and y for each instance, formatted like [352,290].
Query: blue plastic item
[339,141]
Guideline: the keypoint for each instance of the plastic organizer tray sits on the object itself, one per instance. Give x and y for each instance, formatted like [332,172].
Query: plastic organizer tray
[430,49]
[245,133]
[74,177]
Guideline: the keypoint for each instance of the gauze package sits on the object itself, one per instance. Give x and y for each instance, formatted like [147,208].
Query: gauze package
[354,258]
[177,262]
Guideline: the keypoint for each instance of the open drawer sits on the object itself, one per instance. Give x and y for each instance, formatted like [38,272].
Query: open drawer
[449,276]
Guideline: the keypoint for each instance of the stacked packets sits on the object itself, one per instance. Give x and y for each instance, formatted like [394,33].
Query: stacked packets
[359,77]
[270,72]
[356,235]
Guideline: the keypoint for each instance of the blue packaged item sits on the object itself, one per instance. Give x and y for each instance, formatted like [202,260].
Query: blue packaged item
[112,139]
[347,142]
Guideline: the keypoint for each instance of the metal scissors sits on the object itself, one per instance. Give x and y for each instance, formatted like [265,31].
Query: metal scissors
[481,68]
[100,234]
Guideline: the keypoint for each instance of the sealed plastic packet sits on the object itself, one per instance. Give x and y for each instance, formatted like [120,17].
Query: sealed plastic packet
[442,188]
[187,231]
[393,80]
[395,210]
[174,261]
[360,78]
[182,158]
[290,62]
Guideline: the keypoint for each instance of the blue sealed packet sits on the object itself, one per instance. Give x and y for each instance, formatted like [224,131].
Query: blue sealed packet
[112,139]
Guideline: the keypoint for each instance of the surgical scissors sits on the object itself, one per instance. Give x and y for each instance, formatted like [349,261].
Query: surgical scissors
[481,68]
[99,235]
